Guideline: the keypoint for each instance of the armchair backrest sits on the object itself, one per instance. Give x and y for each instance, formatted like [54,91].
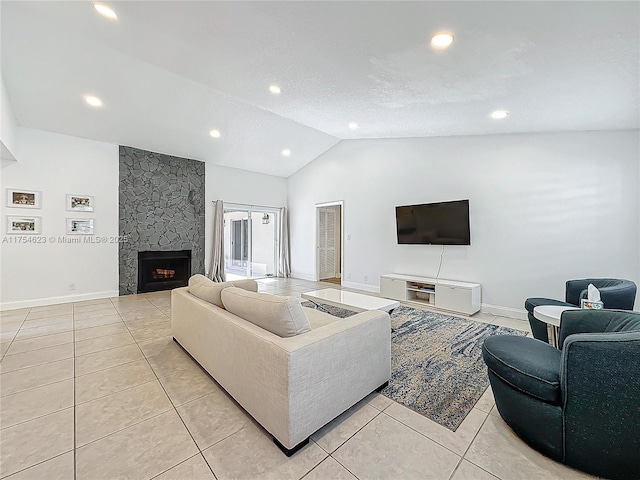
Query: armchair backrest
[614,293]
[597,321]
[600,383]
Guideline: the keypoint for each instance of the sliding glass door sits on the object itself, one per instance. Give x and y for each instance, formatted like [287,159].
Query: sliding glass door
[250,241]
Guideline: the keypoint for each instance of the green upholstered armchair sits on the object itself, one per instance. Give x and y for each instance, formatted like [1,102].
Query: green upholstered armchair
[579,405]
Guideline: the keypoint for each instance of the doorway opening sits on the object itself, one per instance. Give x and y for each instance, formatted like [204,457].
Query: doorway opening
[250,241]
[329,242]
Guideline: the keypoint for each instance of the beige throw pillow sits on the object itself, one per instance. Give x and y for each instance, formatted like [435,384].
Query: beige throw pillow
[280,315]
[209,291]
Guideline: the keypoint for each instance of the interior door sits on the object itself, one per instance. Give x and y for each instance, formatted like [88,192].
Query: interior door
[327,252]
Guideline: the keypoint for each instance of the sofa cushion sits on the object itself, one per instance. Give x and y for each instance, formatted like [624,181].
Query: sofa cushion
[318,318]
[280,315]
[209,291]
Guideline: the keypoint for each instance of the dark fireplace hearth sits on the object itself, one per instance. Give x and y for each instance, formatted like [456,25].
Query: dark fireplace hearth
[159,270]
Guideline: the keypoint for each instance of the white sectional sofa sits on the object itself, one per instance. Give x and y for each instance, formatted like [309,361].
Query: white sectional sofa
[291,385]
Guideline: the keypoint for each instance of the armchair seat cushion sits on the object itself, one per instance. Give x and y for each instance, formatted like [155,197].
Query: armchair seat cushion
[531,303]
[526,364]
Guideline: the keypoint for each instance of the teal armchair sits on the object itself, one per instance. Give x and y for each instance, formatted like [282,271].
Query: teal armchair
[579,405]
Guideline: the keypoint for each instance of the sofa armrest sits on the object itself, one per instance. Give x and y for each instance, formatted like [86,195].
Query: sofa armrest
[333,367]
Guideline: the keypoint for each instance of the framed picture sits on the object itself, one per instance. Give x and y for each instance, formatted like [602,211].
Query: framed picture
[19,198]
[23,225]
[79,226]
[80,203]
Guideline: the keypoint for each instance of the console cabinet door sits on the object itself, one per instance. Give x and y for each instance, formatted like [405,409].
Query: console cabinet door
[456,299]
[394,289]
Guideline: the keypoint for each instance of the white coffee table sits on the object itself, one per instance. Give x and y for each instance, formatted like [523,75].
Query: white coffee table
[551,314]
[351,301]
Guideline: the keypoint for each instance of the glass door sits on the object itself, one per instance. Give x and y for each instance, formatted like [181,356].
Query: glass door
[250,241]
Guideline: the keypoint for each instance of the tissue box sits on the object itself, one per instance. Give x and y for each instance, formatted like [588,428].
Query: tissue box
[591,305]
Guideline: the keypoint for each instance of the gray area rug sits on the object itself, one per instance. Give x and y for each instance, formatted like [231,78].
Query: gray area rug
[436,362]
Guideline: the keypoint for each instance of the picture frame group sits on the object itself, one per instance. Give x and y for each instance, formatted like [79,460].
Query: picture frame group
[32,199]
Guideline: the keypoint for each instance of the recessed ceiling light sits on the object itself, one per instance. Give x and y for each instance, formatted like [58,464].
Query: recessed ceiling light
[286,152]
[105,11]
[499,114]
[214,133]
[441,40]
[353,125]
[275,89]
[93,101]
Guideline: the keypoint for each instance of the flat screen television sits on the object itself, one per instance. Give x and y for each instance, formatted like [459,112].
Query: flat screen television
[443,223]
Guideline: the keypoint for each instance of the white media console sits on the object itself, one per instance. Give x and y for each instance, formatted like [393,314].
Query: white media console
[462,297]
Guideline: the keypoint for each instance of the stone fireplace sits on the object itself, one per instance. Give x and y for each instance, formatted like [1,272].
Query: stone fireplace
[161,212]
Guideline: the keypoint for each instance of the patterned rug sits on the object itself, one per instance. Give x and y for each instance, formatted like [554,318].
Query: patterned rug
[436,362]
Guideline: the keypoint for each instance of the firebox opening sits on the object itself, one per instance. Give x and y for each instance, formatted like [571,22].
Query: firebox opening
[160,270]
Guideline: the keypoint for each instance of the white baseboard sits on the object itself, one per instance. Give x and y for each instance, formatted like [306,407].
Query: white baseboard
[361,286]
[504,311]
[303,276]
[40,302]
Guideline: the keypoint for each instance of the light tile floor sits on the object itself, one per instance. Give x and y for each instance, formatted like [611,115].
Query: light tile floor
[98,389]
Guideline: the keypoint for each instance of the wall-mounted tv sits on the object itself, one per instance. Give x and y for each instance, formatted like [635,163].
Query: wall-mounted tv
[443,223]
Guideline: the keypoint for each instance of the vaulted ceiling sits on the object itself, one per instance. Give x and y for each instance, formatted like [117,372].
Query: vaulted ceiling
[169,72]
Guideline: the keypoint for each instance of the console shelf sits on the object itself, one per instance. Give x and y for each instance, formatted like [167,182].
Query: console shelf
[452,295]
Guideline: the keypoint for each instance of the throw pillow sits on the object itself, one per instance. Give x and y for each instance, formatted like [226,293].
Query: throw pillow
[209,291]
[280,315]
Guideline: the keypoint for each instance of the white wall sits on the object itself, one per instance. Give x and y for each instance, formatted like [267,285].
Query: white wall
[8,124]
[544,208]
[56,165]
[239,186]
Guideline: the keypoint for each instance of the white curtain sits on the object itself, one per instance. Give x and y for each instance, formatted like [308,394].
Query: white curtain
[284,258]
[216,265]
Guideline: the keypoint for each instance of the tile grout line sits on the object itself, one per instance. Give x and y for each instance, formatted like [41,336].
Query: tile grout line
[117,391]
[123,429]
[107,368]
[357,431]
[456,468]
[184,461]
[474,437]
[37,364]
[471,443]
[43,385]
[15,335]
[40,348]
[39,416]
[8,477]
[425,436]
[73,337]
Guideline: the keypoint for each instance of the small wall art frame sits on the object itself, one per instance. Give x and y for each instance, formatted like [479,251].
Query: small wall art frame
[23,225]
[79,226]
[21,198]
[79,203]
